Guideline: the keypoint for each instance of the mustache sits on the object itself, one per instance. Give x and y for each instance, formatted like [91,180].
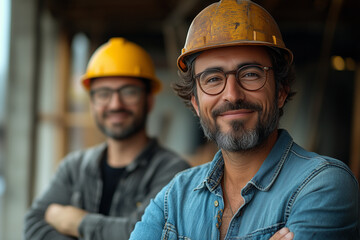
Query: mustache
[122,110]
[240,104]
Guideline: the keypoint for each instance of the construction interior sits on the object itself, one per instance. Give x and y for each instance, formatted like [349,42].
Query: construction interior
[44,112]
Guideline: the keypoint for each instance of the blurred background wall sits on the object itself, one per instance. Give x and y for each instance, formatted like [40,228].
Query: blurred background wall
[44,113]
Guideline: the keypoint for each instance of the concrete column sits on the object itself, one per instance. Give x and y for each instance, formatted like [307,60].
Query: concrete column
[20,115]
[48,95]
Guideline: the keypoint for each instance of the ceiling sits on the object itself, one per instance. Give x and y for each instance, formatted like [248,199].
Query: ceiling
[310,28]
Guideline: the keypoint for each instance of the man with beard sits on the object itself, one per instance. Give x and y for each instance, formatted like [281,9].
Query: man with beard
[101,192]
[236,74]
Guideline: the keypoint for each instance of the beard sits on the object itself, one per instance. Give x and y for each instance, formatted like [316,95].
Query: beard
[120,131]
[240,139]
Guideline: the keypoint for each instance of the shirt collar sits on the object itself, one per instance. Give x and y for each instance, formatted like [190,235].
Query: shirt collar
[214,175]
[267,173]
[144,156]
[270,169]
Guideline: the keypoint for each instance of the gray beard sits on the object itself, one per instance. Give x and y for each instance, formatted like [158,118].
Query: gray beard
[241,139]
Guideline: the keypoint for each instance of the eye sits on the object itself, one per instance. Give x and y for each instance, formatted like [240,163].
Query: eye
[130,91]
[212,78]
[251,73]
[103,93]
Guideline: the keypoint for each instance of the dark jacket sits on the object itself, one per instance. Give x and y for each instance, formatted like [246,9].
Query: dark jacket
[78,182]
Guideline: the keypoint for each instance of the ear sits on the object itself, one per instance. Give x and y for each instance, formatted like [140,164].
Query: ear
[195,104]
[282,95]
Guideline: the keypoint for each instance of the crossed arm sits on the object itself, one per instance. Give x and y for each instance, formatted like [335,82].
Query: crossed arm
[325,207]
[55,216]
[65,219]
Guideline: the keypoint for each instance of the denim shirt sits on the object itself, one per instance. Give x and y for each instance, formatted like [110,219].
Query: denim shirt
[315,196]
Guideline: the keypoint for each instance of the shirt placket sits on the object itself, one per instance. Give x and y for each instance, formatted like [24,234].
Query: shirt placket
[238,218]
[219,206]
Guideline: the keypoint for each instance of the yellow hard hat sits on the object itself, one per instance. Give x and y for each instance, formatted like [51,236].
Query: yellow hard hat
[232,23]
[121,58]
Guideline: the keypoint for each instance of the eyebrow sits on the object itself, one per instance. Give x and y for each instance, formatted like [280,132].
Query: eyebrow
[237,67]
[248,63]
[124,86]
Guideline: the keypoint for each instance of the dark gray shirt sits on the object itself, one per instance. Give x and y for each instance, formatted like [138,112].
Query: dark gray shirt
[77,182]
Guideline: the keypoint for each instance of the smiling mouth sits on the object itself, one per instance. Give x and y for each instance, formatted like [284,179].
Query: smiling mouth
[237,112]
[118,113]
[237,109]
[120,116]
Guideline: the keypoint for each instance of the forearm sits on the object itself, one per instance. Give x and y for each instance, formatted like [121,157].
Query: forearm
[36,227]
[65,219]
[99,227]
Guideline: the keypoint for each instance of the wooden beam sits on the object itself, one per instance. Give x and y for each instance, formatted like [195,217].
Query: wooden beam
[62,86]
[69,119]
[173,30]
[355,139]
[323,72]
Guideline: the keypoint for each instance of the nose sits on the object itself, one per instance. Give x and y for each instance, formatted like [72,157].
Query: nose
[233,91]
[115,101]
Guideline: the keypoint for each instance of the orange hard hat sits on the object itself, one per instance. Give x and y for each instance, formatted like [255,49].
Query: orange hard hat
[121,58]
[232,23]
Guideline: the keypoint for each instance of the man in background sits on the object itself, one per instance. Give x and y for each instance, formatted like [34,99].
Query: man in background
[101,192]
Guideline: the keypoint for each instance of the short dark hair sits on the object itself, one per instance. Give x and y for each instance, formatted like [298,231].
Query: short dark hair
[284,75]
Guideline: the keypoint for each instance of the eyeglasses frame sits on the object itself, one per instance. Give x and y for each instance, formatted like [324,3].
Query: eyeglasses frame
[117,90]
[235,72]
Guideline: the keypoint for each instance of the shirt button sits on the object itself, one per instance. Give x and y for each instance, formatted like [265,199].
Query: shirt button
[216,203]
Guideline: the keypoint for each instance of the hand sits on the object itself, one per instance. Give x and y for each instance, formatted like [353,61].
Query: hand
[65,219]
[283,234]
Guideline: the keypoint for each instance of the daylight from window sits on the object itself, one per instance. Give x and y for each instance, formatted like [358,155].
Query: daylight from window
[4,51]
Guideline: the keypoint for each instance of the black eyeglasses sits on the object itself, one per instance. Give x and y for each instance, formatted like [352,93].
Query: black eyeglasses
[250,77]
[128,94]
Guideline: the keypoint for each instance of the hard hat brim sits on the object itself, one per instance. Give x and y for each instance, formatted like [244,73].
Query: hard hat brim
[155,85]
[183,67]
